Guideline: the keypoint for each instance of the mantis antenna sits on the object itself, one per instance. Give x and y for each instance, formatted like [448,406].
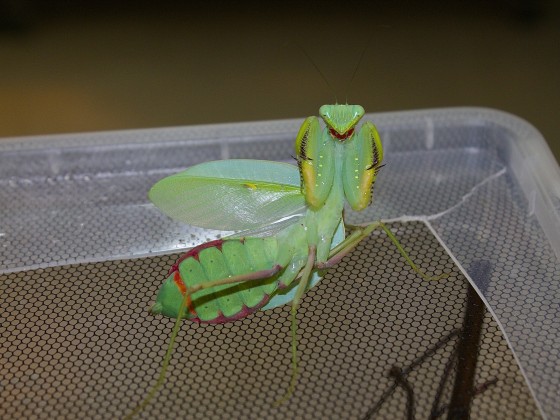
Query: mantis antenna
[356,68]
[318,71]
[359,63]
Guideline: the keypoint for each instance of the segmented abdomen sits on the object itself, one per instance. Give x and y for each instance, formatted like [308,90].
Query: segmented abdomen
[219,260]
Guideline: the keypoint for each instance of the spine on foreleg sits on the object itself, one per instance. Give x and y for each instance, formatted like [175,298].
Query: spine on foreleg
[213,261]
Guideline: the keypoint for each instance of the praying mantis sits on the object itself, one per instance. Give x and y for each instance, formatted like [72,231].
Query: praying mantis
[292,223]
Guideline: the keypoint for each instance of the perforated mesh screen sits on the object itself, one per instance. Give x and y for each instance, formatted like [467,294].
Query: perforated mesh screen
[77,342]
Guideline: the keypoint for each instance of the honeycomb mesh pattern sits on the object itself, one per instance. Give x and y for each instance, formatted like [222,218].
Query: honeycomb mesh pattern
[479,180]
[76,341]
[516,286]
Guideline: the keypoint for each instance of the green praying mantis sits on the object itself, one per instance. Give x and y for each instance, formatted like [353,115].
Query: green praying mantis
[294,216]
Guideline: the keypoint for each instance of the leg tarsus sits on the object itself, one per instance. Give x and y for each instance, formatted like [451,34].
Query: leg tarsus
[407,258]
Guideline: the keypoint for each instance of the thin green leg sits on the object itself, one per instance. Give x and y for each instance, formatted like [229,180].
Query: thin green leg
[302,287]
[346,246]
[357,235]
[255,276]
[408,259]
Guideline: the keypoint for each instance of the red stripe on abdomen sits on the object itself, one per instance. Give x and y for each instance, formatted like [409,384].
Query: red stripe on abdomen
[178,280]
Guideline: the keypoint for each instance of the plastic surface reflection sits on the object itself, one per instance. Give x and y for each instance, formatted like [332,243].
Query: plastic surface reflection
[466,173]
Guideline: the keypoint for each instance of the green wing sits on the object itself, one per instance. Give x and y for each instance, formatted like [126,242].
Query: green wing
[234,194]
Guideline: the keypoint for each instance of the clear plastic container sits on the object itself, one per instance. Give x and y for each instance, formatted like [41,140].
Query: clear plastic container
[483,181]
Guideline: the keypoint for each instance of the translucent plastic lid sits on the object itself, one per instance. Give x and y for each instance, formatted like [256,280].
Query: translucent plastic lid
[484,182]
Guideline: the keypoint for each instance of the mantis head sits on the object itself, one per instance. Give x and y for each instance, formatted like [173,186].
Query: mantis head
[341,119]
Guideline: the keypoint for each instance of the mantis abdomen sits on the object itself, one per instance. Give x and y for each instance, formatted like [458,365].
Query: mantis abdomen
[219,260]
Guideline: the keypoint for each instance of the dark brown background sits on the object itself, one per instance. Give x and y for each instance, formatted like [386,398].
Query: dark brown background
[88,66]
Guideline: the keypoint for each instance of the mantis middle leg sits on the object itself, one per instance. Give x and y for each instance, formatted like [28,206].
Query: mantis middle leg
[360,233]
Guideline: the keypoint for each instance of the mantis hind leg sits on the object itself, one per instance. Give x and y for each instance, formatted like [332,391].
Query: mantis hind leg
[302,287]
[254,276]
[359,234]
[164,366]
